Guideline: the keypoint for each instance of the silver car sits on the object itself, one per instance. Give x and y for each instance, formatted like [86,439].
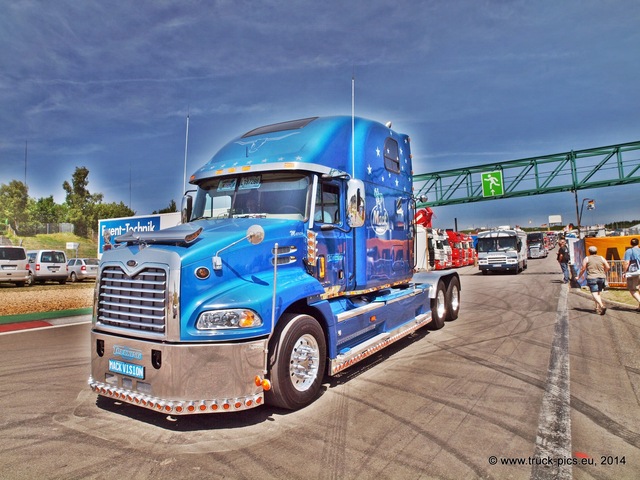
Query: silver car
[14,266]
[82,269]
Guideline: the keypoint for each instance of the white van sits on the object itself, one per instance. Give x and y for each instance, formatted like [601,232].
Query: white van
[14,267]
[48,265]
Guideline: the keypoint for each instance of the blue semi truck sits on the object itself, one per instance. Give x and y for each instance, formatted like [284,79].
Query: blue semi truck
[294,260]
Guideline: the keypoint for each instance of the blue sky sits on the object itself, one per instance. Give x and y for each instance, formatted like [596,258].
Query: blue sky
[107,85]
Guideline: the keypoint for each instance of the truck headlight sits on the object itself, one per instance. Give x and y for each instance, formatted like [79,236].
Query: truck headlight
[237,318]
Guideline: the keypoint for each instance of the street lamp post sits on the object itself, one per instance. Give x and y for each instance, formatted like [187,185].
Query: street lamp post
[590,206]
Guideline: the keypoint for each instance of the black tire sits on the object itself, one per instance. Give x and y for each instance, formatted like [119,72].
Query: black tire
[297,362]
[438,308]
[73,277]
[453,299]
[29,281]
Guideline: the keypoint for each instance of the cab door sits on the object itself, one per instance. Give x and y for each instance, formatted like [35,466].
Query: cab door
[328,237]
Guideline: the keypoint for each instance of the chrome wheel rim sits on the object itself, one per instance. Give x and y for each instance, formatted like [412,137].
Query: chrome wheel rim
[304,364]
[441,304]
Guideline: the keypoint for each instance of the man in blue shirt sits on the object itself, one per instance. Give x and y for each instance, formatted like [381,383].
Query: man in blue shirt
[631,267]
[563,259]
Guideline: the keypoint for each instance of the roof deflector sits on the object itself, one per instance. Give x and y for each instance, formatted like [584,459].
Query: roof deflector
[280,127]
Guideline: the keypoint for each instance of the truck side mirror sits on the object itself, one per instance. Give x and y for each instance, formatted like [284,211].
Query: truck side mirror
[255,235]
[356,210]
[186,208]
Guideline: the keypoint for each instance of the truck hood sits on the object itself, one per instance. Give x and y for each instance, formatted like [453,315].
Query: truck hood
[204,238]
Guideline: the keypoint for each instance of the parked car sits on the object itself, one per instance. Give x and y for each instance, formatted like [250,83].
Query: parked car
[14,266]
[48,265]
[82,269]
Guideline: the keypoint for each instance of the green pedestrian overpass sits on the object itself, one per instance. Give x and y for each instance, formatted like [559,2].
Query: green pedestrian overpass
[562,172]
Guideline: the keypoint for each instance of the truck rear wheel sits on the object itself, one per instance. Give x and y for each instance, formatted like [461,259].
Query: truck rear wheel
[438,308]
[453,299]
[297,362]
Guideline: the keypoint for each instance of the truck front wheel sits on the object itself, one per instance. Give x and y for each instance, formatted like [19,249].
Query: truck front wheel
[297,361]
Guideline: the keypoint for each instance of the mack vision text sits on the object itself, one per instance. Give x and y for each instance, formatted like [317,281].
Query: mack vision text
[294,260]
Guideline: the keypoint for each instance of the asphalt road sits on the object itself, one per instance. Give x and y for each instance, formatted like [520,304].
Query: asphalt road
[527,376]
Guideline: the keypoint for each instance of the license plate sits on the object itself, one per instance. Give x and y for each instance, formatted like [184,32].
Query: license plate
[9,267]
[128,369]
[496,265]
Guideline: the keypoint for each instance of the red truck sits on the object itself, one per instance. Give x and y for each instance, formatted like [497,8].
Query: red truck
[459,252]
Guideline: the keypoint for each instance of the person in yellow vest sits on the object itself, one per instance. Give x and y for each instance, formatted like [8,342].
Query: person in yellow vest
[596,268]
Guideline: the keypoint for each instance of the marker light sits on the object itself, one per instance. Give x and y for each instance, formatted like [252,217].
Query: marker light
[185,407]
[192,236]
[202,273]
[264,383]
[322,268]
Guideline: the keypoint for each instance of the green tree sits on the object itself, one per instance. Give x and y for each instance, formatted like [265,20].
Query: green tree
[170,209]
[14,199]
[46,210]
[103,211]
[81,202]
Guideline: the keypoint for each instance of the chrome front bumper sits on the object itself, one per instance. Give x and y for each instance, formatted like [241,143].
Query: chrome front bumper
[179,378]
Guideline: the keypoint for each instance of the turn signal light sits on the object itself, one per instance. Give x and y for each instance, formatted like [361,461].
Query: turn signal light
[262,382]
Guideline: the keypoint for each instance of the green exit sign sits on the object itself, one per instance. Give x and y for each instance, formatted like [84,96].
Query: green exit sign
[492,185]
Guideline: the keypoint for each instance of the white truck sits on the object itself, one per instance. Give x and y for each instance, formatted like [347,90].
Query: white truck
[502,250]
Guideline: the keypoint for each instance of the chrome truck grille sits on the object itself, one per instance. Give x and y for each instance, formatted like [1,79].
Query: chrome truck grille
[133,302]
[497,258]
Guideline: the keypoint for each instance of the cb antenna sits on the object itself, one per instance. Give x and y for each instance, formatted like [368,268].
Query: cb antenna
[186,143]
[353,123]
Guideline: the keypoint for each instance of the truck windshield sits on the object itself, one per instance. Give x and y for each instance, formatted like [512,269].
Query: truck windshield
[496,244]
[535,237]
[266,195]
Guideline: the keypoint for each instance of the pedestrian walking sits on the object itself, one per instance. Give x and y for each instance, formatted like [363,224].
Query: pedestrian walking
[563,259]
[596,267]
[631,269]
